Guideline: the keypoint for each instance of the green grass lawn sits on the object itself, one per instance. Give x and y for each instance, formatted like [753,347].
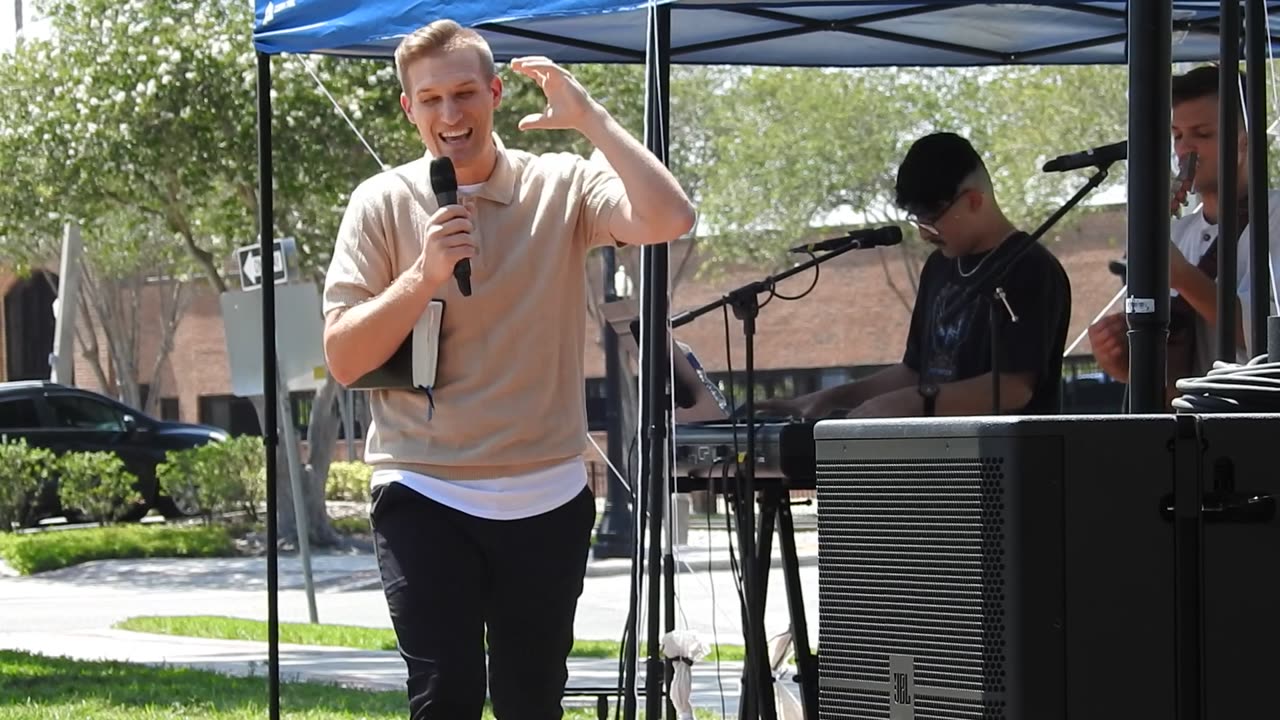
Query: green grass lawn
[33,687]
[351,636]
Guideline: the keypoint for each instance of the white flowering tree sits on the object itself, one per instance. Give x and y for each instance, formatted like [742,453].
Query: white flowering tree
[137,120]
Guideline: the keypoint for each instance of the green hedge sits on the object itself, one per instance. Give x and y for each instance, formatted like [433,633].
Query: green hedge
[53,549]
[348,481]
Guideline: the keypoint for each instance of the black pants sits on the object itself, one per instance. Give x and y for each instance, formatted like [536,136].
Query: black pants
[449,577]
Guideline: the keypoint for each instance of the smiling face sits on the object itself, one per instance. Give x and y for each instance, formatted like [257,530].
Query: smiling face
[450,96]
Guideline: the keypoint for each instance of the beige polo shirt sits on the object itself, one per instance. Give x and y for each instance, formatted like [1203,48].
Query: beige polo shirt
[509,395]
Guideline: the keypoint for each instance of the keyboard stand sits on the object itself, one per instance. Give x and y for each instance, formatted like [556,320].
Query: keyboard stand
[775,504]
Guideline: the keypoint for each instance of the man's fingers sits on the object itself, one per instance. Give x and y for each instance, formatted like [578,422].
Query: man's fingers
[534,121]
[447,212]
[457,225]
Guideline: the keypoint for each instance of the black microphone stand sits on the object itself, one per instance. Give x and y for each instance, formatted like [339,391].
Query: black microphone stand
[745,302]
[998,273]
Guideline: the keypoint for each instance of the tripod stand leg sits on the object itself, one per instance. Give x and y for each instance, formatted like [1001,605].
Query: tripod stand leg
[806,662]
[758,696]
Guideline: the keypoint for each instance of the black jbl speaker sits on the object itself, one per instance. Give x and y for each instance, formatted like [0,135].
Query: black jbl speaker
[1024,567]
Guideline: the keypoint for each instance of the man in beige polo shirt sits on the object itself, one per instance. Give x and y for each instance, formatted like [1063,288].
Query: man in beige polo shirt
[481,513]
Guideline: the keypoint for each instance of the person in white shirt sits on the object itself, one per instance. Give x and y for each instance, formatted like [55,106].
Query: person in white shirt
[1193,254]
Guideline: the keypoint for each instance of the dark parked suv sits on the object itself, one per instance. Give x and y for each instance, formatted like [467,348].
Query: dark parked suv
[66,419]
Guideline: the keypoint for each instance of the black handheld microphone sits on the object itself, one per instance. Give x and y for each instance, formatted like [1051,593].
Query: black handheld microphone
[444,182]
[1095,157]
[869,238]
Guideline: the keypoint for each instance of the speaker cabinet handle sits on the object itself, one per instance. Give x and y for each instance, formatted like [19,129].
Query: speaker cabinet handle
[1229,507]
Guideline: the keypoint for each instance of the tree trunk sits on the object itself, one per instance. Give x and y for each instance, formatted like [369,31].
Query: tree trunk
[87,337]
[173,303]
[322,434]
[320,528]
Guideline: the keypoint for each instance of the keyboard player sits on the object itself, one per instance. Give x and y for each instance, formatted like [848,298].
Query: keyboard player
[945,188]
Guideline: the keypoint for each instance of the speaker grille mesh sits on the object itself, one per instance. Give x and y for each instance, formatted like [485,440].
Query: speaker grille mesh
[912,555]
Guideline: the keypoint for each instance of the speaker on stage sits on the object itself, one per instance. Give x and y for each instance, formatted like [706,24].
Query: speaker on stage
[1024,567]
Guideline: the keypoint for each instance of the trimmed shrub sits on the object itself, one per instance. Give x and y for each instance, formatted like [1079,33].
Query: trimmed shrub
[217,478]
[23,472]
[348,481]
[97,484]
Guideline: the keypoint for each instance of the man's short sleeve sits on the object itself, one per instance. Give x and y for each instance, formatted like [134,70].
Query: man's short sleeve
[361,264]
[1039,293]
[926,289]
[600,190]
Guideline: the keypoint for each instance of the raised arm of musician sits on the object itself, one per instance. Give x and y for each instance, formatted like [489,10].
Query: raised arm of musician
[1200,292]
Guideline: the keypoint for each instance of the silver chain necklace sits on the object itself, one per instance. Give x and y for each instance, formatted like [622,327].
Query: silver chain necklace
[992,251]
[960,268]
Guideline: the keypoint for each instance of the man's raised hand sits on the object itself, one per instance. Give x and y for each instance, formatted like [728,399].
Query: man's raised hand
[568,103]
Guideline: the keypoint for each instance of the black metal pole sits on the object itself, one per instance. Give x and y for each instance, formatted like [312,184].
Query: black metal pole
[656,420]
[1259,223]
[614,538]
[1228,175]
[270,438]
[1147,307]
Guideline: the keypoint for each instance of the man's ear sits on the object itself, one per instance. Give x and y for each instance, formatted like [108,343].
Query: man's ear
[495,87]
[976,200]
[406,107]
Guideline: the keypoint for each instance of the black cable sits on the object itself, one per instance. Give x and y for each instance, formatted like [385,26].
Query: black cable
[626,628]
[1232,387]
[817,272]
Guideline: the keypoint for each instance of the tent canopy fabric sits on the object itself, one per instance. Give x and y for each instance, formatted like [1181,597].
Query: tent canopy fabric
[828,33]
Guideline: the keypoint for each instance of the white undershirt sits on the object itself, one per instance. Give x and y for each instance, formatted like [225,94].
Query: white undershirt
[1192,235]
[502,498]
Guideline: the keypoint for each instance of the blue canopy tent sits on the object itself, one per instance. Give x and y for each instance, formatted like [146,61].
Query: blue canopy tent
[1146,35]
[818,33]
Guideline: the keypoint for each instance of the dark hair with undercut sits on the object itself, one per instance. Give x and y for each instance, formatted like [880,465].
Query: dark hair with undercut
[1202,82]
[935,169]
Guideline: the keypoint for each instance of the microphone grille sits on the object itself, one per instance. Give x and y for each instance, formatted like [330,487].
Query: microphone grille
[442,175]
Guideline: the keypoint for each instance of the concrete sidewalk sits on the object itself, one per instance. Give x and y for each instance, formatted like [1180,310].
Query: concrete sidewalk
[70,612]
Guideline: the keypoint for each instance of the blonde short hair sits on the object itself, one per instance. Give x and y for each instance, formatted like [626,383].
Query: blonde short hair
[440,36]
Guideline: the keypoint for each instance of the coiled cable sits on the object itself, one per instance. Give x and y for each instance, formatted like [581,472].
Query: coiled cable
[1253,387]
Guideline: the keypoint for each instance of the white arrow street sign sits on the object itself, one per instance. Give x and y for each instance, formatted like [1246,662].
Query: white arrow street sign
[249,258]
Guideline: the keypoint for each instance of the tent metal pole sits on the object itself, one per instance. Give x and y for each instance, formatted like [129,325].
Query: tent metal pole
[655,318]
[1147,305]
[266,223]
[1259,224]
[1228,176]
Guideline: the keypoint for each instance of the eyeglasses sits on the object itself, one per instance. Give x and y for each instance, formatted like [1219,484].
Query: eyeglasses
[930,224]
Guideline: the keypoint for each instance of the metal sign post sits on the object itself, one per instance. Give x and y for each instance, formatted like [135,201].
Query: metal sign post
[299,327]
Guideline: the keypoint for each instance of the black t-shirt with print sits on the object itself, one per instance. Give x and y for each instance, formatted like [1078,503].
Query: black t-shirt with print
[1039,293]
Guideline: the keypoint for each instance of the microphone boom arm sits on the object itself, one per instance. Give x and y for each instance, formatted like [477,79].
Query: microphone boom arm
[747,292]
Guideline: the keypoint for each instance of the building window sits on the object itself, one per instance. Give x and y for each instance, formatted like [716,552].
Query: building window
[233,414]
[170,409]
[597,405]
[303,401]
